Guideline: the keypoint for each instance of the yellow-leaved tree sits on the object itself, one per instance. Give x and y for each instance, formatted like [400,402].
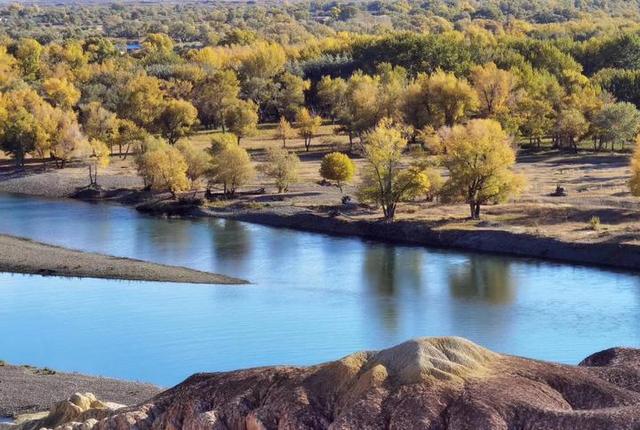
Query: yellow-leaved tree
[176,119]
[197,161]
[308,125]
[634,183]
[61,92]
[284,131]
[97,156]
[337,167]
[385,180]
[231,166]
[480,160]
[162,167]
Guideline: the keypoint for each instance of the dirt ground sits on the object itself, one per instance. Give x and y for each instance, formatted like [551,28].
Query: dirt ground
[596,185]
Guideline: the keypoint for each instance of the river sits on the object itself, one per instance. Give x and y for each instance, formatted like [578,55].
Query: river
[313,298]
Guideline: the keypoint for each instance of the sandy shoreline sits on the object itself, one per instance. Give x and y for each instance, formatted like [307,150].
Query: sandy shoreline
[20,255]
[27,389]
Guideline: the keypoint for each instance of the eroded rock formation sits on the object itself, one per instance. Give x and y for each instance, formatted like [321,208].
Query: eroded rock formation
[430,383]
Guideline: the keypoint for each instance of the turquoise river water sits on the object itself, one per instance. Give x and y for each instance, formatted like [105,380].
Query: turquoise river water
[313,298]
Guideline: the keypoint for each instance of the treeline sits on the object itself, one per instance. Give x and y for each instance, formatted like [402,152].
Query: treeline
[292,22]
[84,98]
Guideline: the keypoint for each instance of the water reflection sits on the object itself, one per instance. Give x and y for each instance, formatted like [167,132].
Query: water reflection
[483,278]
[313,298]
[231,242]
[391,272]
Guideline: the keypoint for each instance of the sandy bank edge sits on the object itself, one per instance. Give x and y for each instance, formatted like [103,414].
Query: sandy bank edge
[611,255]
[28,389]
[20,255]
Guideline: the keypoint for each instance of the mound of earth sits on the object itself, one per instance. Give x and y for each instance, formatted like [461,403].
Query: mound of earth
[428,383]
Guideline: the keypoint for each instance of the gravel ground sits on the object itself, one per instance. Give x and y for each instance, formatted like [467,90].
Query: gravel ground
[25,256]
[26,389]
[61,183]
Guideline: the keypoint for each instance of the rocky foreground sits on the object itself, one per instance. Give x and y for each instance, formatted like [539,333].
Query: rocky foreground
[429,383]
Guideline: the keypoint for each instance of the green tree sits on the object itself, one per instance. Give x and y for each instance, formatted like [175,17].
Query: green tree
[242,119]
[282,166]
[616,122]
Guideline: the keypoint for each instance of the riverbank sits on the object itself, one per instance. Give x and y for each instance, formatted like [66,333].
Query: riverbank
[28,389]
[18,255]
[597,222]
[479,238]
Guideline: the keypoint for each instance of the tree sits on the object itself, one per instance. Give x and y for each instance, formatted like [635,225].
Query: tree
[263,60]
[129,134]
[162,167]
[284,131]
[8,72]
[18,134]
[634,183]
[214,95]
[361,109]
[437,100]
[98,123]
[495,89]
[61,92]
[97,156]
[480,159]
[331,95]
[571,127]
[28,53]
[176,119]
[68,141]
[242,119]
[451,97]
[27,124]
[142,100]
[385,181]
[337,167]
[282,166]
[197,161]
[616,122]
[232,168]
[290,96]
[308,125]
[220,141]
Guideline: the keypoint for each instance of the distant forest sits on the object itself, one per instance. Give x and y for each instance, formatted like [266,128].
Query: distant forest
[76,77]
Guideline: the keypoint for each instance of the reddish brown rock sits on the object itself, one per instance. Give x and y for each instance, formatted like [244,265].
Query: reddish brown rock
[431,383]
